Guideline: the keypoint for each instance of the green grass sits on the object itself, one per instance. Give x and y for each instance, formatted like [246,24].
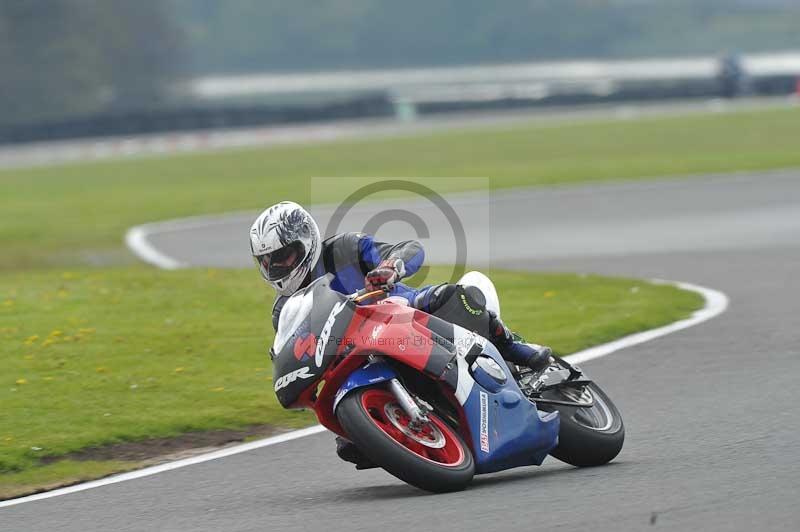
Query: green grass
[77,214]
[93,357]
[59,474]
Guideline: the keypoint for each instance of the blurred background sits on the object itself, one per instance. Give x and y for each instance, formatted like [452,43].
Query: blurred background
[646,139]
[88,68]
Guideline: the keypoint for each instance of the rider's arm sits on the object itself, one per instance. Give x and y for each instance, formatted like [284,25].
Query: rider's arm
[373,252]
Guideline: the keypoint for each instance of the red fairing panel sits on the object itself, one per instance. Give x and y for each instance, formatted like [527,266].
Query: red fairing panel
[391,330]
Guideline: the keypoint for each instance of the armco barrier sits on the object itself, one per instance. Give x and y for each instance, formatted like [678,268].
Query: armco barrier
[194,119]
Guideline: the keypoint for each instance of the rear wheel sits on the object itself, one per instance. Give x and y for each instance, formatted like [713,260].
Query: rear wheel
[590,436]
[431,457]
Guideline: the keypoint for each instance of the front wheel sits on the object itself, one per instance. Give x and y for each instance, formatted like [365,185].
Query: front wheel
[587,436]
[432,457]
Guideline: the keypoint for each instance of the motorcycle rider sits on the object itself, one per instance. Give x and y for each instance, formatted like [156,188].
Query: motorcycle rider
[288,249]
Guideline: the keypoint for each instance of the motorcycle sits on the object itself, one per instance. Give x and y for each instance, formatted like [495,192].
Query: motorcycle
[428,401]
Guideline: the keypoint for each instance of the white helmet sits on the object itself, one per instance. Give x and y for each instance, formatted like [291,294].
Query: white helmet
[285,243]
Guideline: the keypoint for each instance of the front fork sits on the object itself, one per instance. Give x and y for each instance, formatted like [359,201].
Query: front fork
[418,415]
[375,371]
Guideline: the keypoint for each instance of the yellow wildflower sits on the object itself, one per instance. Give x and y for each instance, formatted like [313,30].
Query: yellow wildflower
[31,339]
[218,389]
[22,381]
[550,293]
[178,370]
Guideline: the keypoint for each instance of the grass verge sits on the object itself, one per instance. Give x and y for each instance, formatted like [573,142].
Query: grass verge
[77,214]
[98,357]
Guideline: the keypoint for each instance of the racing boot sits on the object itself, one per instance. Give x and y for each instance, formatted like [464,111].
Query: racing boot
[347,451]
[515,350]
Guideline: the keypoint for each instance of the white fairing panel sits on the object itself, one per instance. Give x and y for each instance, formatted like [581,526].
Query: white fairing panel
[485,285]
[296,309]
[465,381]
[464,340]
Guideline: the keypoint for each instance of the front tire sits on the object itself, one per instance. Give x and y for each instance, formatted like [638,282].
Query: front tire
[588,436]
[433,458]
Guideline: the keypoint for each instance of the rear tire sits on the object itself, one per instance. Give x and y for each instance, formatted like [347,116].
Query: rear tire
[588,436]
[372,420]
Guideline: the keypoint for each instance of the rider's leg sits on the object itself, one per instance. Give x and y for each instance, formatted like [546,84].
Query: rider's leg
[474,305]
[486,286]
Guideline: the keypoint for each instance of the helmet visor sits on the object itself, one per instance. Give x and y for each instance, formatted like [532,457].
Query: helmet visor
[283,261]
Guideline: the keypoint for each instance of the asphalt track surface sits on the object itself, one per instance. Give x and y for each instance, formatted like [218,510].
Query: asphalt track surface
[711,412]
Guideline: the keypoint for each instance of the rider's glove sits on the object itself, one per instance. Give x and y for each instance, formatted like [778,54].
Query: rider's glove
[385,275]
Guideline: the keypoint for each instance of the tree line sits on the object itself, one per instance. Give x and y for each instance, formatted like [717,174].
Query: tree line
[61,58]
[259,35]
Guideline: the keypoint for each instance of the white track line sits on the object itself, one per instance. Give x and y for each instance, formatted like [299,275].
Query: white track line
[136,240]
[148,471]
[715,304]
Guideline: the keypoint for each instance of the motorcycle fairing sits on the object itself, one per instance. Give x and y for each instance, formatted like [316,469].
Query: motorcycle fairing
[505,429]
[402,332]
[370,374]
[305,352]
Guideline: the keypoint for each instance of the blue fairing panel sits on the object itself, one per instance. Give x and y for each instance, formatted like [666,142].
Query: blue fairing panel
[370,374]
[507,429]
